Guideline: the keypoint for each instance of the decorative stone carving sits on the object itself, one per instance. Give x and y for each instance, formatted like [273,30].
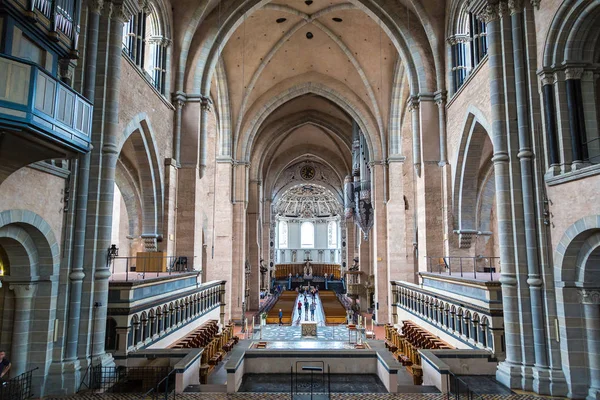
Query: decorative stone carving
[23,291]
[120,13]
[573,73]
[308,201]
[95,6]
[589,296]
[515,6]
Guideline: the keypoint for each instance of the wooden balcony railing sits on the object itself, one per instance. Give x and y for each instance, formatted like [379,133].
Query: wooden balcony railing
[35,101]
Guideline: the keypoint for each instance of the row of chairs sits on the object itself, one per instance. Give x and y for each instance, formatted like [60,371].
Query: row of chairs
[335,312]
[199,337]
[405,346]
[216,350]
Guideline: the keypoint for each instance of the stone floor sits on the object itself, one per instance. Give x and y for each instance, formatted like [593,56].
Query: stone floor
[286,333]
[277,383]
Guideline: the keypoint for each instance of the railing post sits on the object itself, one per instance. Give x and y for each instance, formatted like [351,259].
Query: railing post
[461,269]
[126,268]
[474,267]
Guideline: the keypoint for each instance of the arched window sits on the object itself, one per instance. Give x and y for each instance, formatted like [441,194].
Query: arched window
[332,235]
[307,235]
[283,235]
[146,46]
[467,38]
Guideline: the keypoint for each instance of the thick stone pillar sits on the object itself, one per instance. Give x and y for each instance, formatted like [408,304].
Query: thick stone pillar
[525,156]
[188,223]
[238,242]
[379,235]
[170,227]
[224,240]
[429,185]
[21,326]
[399,269]
[83,176]
[509,371]
[591,312]
[254,244]
[110,153]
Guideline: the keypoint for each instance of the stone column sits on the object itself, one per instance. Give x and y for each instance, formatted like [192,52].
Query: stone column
[429,185]
[590,298]
[509,372]
[398,268]
[254,244]
[83,176]
[223,236]
[525,156]
[576,118]
[110,153]
[205,109]
[21,326]
[440,100]
[550,122]
[238,242]
[379,235]
[416,133]
[123,341]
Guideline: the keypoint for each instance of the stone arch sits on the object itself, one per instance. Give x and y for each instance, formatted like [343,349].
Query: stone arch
[418,48]
[273,101]
[36,236]
[466,188]
[131,193]
[577,272]
[150,174]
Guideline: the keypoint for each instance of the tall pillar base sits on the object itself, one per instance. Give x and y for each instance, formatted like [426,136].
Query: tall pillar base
[510,375]
[527,378]
[64,378]
[541,380]
[594,394]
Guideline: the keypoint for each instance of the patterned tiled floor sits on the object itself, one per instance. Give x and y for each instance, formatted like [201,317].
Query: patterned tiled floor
[286,333]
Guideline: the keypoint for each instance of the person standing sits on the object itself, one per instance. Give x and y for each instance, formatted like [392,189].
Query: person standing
[280,317]
[306,309]
[4,366]
[312,311]
[299,309]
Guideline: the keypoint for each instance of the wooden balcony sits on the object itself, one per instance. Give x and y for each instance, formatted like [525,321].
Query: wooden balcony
[40,117]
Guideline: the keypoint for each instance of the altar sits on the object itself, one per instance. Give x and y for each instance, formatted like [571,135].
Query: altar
[309,328]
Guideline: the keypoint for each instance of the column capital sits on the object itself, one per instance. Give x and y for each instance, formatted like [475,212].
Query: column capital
[120,13]
[589,296]
[95,6]
[413,103]
[547,77]
[206,103]
[440,97]
[503,10]
[489,13]
[515,6]
[24,290]
[573,73]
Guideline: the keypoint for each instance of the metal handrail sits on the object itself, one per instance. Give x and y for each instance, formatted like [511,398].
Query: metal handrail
[175,265]
[456,393]
[17,388]
[155,390]
[461,265]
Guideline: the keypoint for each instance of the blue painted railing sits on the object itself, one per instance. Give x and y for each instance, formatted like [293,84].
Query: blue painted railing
[33,100]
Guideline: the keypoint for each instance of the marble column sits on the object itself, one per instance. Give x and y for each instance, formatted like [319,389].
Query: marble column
[21,326]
